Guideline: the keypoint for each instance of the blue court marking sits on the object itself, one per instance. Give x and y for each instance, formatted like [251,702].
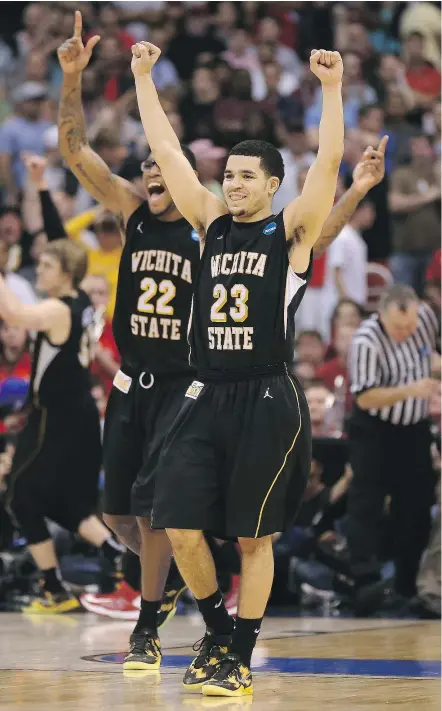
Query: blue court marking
[303,665]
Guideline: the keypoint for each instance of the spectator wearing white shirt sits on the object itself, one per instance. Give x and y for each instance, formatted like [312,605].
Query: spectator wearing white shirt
[18,284]
[345,276]
[297,160]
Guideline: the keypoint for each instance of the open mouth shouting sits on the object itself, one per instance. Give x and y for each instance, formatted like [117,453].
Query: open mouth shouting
[155,191]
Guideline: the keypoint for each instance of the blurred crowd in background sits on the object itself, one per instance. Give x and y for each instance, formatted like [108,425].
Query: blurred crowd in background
[231,71]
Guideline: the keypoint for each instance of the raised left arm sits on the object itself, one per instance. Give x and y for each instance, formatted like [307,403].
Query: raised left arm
[305,216]
[48,315]
[368,172]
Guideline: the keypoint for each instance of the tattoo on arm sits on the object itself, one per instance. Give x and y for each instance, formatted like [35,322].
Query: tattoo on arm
[92,172]
[76,138]
[71,120]
[337,219]
[86,176]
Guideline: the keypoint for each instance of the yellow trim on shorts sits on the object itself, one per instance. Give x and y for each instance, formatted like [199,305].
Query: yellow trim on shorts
[283,463]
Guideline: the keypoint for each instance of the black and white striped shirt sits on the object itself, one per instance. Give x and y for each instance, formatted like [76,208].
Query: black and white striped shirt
[376,361]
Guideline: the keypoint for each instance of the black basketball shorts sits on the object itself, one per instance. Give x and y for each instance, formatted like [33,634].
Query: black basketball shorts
[56,466]
[138,418]
[236,461]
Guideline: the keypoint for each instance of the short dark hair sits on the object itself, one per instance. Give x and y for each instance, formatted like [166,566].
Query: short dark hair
[417,34]
[317,383]
[270,158]
[107,138]
[310,333]
[189,155]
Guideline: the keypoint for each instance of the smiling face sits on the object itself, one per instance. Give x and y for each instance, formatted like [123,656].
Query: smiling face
[246,187]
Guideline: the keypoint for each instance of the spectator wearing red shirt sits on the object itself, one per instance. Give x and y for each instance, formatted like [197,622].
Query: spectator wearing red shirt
[421,76]
[107,358]
[331,369]
[15,373]
[310,347]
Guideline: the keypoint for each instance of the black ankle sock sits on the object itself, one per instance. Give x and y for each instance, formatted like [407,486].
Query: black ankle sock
[215,614]
[111,549]
[52,582]
[148,616]
[131,569]
[244,638]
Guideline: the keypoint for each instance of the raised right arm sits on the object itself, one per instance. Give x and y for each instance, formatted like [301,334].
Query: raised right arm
[116,194]
[199,206]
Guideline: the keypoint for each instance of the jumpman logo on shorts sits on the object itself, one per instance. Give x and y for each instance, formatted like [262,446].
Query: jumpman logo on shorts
[267,394]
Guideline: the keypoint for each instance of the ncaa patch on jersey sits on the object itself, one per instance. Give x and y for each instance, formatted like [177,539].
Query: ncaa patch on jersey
[194,389]
[195,236]
[270,228]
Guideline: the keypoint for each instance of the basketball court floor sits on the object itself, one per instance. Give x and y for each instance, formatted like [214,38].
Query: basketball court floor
[300,664]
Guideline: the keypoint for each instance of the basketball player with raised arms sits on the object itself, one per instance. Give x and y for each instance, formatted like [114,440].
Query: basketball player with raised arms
[236,459]
[154,292]
[137,419]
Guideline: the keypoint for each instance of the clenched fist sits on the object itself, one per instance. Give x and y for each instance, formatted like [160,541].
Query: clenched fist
[144,57]
[327,66]
[35,165]
[73,55]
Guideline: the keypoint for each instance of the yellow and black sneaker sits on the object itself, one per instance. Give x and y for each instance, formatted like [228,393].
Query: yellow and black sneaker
[144,652]
[210,650]
[169,604]
[52,604]
[231,678]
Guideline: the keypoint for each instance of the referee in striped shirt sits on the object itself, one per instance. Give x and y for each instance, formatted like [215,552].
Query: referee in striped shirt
[389,435]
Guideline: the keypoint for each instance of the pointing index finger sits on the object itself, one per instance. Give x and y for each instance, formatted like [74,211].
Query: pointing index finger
[383,144]
[78,24]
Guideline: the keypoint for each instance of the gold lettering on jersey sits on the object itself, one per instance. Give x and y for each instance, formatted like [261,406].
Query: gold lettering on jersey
[161,260]
[239,263]
[158,260]
[230,338]
[168,329]
[225,262]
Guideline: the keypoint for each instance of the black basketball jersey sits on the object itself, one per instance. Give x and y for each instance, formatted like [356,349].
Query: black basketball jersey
[246,295]
[154,293]
[60,374]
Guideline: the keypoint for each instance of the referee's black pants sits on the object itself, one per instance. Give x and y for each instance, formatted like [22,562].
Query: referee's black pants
[389,460]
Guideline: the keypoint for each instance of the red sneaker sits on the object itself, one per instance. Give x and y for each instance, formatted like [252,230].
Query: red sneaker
[123,604]
[231,598]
